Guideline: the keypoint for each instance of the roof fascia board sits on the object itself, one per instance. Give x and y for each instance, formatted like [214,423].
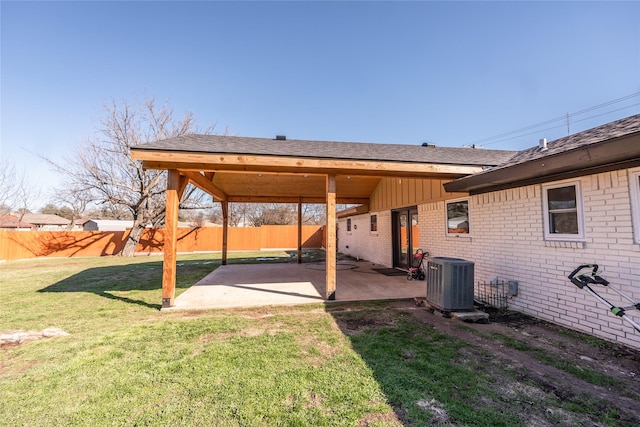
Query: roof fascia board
[357,210]
[607,155]
[560,176]
[313,166]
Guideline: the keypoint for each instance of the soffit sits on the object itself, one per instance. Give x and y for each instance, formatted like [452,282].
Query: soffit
[249,186]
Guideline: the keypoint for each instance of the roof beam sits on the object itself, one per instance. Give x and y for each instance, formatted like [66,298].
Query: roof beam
[244,163]
[294,199]
[203,183]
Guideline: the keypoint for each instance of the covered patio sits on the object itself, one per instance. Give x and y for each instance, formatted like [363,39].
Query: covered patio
[254,285]
[257,170]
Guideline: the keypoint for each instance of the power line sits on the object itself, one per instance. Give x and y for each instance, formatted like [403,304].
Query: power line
[561,125]
[564,119]
[608,112]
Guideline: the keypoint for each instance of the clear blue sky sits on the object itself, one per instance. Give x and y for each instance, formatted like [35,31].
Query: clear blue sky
[451,73]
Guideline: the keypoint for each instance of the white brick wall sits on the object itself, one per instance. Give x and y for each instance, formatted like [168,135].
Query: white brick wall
[507,241]
[363,244]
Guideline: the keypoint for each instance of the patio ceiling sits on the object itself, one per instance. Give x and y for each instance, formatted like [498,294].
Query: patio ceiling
[258,187]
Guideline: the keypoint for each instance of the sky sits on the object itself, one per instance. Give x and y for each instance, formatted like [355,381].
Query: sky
[450,73]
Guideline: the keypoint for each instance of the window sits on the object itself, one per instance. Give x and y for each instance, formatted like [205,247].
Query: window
[458,217]
[634,188]
[374,223]
[563,212]
[348,224]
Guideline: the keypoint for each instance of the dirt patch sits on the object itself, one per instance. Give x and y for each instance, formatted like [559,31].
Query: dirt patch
[543,373]
[360,322]
[256,332]
[377,419]
[440,416]
[552,364]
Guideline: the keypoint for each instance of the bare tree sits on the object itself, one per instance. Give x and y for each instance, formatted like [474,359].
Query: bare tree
[273,214]
[102,167]
[7,185]
[314,214]
[239,214]
[75,200]
[16,192]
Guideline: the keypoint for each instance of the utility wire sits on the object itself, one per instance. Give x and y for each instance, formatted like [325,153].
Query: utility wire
[564,119]
[560,125]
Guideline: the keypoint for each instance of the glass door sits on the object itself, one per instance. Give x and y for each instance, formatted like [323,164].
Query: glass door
[405,236]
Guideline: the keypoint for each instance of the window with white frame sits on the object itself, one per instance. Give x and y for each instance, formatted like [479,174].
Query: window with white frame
[563,218]
[458,221]
[349,225]
[634,189]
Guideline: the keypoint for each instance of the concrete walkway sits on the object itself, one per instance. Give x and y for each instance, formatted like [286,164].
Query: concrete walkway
[253,285]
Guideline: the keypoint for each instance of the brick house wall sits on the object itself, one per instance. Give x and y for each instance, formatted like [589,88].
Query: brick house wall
[507,241]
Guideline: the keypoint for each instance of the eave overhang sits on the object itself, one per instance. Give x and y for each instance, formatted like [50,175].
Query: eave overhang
[613,154]
[215,162]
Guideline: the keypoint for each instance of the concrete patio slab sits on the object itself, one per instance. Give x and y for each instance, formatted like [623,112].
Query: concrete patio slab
[253,285]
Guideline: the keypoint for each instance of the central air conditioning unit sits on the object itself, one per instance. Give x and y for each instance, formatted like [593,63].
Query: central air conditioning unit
[450,284]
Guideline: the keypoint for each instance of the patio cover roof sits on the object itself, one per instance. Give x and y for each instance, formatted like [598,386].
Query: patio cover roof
[282,170]
[241,169]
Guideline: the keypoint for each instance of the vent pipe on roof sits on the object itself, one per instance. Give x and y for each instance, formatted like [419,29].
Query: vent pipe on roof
[281,137]
[542,146]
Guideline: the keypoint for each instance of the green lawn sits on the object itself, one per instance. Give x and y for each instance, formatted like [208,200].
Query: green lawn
[127,363]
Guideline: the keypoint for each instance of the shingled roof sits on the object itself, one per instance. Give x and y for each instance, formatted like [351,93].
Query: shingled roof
[329,150]
[595,135]
[12,221]
[606,146]
[46,219]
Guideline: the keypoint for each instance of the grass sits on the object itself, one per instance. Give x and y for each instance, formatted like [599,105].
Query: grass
[416,366]
[127,363]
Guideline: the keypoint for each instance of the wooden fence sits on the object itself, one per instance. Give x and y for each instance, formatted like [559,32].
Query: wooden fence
[32,244]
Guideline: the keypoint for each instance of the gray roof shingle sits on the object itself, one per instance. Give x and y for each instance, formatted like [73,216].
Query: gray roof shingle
[614,143]
[45,219]
[329,150]
[595,135]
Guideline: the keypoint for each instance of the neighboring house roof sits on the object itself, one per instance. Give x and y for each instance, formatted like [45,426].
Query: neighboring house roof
[110,224]
[12,221]
[329,150]
[45,219]
[611,146]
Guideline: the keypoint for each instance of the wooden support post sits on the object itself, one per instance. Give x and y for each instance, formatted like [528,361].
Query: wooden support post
[170,239]
[225,230]
[299,230]
[330,290]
